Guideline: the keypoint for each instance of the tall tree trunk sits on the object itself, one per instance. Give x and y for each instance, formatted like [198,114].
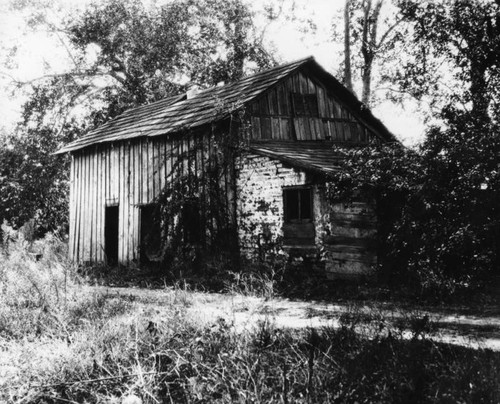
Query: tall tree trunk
[239,52]
[478,90]
[347,47]
[369,45]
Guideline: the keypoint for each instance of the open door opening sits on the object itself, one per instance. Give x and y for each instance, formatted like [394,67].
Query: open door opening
[111,234]
[150,249]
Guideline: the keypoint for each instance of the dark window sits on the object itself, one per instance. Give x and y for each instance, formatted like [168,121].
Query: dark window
[150,249]
[298,228]
[305,104]
[111,234]
[298,204]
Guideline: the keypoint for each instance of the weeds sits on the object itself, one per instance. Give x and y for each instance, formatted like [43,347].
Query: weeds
[252,284]
[177,361]
[62,343]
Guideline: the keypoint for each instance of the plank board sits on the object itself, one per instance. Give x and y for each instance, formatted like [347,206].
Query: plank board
[266,128]
[100,204]
[88,211]
[256,129]
[71,206]
[273,102]
[136,174]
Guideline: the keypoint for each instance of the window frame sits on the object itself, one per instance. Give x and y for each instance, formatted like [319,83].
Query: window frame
[286,204]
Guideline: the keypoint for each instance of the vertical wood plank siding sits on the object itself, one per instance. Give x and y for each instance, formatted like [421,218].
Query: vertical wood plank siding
[272,115]
[72,212]
[129,174]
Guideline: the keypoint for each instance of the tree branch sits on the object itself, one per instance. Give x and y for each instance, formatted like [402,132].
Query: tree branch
[87,74]
[386,33]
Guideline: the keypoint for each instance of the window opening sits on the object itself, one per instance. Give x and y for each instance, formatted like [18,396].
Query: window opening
[305,105]
[298,226]
[298,204]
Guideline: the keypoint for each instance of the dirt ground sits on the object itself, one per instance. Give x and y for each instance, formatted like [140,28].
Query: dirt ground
[479,328]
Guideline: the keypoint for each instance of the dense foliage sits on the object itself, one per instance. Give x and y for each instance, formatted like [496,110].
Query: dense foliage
[33,182]
[456,45]
[439,220]
[438,206]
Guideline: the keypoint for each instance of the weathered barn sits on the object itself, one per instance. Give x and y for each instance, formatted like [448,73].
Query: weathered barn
[284,123]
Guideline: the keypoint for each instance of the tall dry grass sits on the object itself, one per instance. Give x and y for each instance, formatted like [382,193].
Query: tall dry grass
[63,342]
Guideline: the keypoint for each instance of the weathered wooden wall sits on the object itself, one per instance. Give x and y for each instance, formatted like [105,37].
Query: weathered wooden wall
[273,116]
[129,174]
[348,235]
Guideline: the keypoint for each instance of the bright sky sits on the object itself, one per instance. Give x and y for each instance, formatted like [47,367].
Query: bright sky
[37,53]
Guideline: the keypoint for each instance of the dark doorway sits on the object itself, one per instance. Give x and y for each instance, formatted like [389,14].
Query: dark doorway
[192,223]
[111,234]
[150,250]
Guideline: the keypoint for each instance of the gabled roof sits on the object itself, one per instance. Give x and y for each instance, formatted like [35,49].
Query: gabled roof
[178,113]
[319,156]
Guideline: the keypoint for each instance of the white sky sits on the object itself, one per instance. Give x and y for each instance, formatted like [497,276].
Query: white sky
[38,53]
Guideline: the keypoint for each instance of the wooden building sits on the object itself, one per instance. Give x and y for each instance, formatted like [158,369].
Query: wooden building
[284,122]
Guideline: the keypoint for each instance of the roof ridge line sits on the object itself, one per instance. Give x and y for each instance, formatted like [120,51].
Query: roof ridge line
[279,66]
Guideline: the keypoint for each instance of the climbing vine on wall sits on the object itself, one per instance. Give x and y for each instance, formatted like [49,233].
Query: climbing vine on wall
[197,206]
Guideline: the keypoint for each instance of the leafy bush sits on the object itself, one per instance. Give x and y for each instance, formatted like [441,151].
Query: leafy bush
[33,181]
[437,208]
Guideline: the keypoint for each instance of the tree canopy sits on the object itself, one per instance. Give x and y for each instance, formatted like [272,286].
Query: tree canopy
[126,54]
[463,36]
[374,34]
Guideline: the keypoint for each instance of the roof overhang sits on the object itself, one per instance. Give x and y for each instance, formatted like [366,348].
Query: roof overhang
[316,156]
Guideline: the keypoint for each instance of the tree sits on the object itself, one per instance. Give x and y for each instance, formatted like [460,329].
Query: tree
[125,54]
[33,182]
[372,37]
[437,208]
[347,47]
[465,36]
[121,54]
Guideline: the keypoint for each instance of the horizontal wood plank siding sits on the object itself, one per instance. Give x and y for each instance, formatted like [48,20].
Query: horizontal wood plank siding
[351,243]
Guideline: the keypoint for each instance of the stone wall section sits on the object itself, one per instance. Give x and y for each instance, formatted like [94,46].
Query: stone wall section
[260,181]
[341,231]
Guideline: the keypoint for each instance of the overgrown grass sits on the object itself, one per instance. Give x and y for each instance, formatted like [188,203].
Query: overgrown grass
[61,342]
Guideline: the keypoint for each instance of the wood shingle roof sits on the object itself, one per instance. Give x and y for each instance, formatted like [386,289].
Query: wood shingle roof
[179,113]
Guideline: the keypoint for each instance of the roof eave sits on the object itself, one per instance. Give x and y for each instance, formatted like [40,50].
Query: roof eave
[294,163]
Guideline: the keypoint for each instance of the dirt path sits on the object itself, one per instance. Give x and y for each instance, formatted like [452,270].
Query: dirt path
[244,312]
